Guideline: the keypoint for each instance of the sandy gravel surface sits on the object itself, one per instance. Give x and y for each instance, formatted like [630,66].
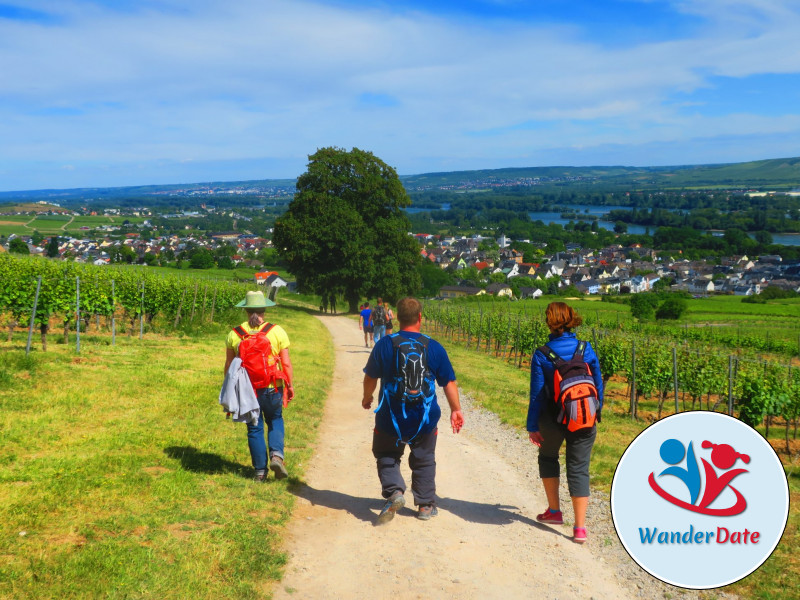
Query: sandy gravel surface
[484,544]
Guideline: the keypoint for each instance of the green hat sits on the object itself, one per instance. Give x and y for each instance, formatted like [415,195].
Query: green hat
[255,300]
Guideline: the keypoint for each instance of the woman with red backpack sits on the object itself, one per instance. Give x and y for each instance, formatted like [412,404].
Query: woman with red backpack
[264,351]
[566,397]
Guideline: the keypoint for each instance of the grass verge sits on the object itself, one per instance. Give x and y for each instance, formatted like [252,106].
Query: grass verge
[121,478]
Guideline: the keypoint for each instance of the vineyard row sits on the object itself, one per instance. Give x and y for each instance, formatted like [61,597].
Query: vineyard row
[67,292]
[754,389]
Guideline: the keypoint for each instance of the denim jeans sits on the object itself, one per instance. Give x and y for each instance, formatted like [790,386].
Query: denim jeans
[271,403]
[378,332]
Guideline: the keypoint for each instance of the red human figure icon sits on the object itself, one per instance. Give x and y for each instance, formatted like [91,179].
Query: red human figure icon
[724,457]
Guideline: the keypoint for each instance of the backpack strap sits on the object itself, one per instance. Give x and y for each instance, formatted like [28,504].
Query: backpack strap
[242,332]
[580,349]
[548,352]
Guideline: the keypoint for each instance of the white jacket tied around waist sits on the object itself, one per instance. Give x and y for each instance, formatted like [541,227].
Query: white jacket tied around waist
[237,396]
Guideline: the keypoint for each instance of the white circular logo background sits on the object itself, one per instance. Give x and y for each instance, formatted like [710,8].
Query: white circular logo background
[699,500]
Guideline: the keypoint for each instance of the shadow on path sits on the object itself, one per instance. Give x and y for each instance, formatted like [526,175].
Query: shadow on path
[491,514]
[367,509]
[205,462]
[363,509]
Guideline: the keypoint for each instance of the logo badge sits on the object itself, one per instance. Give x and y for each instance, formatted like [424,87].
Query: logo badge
[699,500]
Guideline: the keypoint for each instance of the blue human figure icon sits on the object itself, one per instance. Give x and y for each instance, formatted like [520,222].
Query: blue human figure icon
[672,452]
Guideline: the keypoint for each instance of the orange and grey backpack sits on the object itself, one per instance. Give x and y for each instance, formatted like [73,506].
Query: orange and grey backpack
[574,390]
[255,350]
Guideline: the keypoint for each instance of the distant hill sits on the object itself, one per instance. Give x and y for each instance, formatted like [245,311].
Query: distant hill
[772,174]
[142,190]
[782,173]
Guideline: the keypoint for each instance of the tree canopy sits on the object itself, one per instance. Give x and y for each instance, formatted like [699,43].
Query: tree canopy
[345,230]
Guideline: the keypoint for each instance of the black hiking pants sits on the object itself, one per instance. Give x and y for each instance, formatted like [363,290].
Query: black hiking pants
[421,460]
[578,454]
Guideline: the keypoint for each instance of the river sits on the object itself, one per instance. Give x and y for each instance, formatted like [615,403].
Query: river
[589,213]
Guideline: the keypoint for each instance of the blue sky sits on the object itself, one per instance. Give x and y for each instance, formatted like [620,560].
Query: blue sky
[99,93]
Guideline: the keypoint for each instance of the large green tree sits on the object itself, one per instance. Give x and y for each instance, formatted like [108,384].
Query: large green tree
[345,230]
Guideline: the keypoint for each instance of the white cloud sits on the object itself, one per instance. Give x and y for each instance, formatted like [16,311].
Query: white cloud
[212,80]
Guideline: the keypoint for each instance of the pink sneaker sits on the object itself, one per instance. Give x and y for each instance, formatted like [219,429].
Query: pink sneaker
[579,535]
[551,516]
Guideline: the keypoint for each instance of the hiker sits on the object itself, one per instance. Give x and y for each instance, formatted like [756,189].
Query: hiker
[389,318]
[576,427]
[364,323]
[377,319]
[272,384]
[408,365]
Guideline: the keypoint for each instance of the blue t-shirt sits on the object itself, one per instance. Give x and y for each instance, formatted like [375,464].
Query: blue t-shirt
[365,315]
[381,365]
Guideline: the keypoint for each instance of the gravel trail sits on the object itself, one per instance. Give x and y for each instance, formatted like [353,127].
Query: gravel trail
[484,544]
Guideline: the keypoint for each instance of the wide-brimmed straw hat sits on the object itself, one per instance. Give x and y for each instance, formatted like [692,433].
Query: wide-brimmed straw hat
[255,300]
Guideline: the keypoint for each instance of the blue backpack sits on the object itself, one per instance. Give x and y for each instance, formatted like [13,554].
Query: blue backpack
[413,382]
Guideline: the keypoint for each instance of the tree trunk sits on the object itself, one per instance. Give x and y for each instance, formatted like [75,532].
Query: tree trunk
[352,302]
[11,326]
[66,332]
[788,453]
[43,330]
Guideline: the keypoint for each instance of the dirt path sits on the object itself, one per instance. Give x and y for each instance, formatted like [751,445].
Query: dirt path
[485,542]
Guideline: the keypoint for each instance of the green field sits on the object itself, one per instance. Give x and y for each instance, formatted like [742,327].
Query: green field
[120,476]
[59,224]
[114,486]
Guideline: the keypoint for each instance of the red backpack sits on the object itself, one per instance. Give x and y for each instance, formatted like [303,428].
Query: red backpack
[255,350]
[574,390]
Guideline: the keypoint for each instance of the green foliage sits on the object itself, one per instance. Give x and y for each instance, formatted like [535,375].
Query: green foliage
[18,246]
[672,308]
[225,262]
[433,278]
[201,258]
[753,398]
[345,231]
[613,351]
[773,292]
[643,306]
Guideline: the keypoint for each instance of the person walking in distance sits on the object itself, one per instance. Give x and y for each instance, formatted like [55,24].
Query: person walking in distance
[264,351]
[408,365]
[364,323]
[566,397]
[378,319]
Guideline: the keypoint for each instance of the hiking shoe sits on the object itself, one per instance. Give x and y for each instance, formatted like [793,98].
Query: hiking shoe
[553,517]
[393,503]
[426,511]
[579,535]
[277,466]
[261,475]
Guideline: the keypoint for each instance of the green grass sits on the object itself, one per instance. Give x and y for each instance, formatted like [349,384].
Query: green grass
[503,389]
[121,478]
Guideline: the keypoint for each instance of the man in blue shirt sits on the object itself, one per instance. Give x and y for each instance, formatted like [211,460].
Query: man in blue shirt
[363,323]
[398,423]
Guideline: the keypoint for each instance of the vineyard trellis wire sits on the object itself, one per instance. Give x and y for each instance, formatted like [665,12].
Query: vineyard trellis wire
[74,293]
[653,367]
